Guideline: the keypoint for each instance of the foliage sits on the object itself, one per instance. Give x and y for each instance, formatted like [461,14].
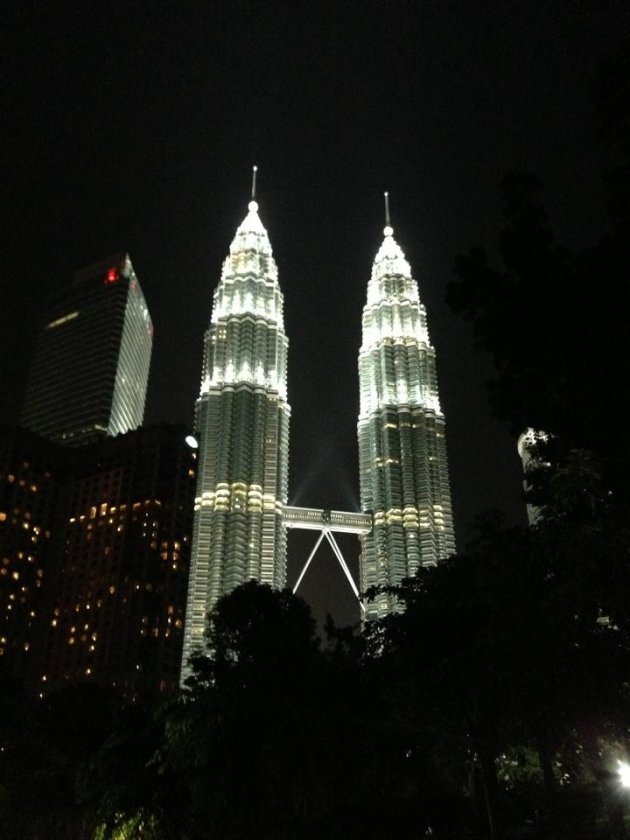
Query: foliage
[553,321]
[278,738]
[494,697]
[509,670]
[554,324]
[41,747]
[139,824]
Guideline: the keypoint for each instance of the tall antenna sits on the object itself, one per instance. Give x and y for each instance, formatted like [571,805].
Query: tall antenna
[254,171]
[387,220]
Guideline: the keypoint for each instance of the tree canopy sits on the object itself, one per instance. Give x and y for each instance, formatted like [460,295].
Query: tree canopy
[553,320]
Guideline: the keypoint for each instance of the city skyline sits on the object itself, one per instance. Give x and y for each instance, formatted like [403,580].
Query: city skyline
[149,146]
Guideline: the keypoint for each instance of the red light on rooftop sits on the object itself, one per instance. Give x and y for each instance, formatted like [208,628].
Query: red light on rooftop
[112,276]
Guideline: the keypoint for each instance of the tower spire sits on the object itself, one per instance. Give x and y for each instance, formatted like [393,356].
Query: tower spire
[254,171]
[388,229]
[253,204]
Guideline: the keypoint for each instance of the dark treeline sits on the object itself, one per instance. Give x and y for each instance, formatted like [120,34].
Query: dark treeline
[493,705]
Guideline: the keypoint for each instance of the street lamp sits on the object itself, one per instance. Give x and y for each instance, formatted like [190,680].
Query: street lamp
[624,773]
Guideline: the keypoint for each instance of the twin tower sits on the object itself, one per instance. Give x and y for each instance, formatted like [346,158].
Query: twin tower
[242,423]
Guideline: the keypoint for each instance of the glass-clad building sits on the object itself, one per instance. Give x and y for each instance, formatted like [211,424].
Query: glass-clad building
[242,423]
[402,445]
[88,377]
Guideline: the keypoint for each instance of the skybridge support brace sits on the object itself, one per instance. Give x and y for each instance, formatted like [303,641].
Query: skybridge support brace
[327,522]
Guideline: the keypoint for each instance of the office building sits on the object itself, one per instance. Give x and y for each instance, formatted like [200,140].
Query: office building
[118,600]
[31,477]
[94,557]
[88,377]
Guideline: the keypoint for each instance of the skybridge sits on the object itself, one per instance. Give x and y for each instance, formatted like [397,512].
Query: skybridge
[328,522]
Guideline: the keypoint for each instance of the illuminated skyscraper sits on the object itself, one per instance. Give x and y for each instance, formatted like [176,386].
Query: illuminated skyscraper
[88,377]
[243,428]
[402,447]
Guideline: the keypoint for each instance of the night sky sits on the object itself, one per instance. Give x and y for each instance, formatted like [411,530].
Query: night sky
[138,130]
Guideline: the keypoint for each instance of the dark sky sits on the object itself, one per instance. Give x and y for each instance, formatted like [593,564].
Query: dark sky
[137,129]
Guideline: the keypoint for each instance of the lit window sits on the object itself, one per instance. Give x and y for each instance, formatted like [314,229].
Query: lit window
[63,320]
